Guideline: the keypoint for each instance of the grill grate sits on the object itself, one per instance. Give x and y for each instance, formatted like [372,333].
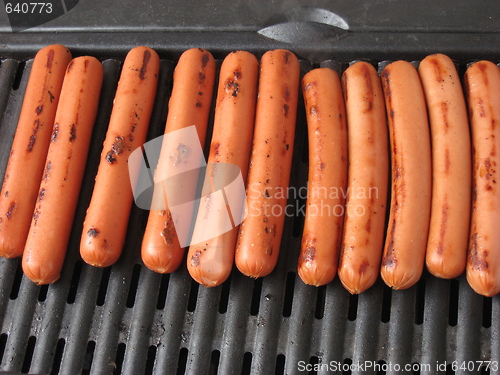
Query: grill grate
[127,319]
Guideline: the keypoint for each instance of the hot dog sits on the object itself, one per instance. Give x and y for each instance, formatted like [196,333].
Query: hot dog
[210,262]
[451,167]
[189,105]
[327,133]
[260,234]
[107,216]
[482,81]
[29,148]
[55,207]
[366,203]
[409,215]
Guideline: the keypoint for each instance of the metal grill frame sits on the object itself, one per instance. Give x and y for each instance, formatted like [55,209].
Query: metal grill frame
[127,319]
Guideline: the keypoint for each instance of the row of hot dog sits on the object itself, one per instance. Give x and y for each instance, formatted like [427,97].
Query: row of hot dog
[443,203]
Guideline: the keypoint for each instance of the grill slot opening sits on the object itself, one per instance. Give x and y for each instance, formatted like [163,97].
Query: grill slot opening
[386,304]
[346,364]
[289,289]
[280,365]
[134,283]
[58,356]
[181,364]
[75,280]
[19,75]
[314,361]
[162,293]
[89,357]
[420,302]
[224,295]
[120,355]
[247,363]
[28,354]
[150,360]
[3,342]
[193,296]
[256,292]
[484,371]
[319,311]
[16,283]
[380,367]
[453,309]
[487,310]
[103,286]
[352,312]
[298,220]
[214,362]
[42,294]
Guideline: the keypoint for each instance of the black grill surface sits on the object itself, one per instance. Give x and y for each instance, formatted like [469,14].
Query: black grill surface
[127,319]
